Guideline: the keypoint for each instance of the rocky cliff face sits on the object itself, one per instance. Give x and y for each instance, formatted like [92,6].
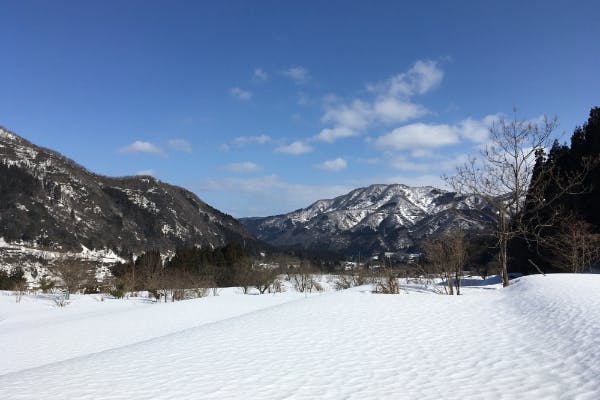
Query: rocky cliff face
[48,201]
[378,218]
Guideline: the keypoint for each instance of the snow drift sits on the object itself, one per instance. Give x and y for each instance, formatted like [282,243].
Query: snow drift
[536,339]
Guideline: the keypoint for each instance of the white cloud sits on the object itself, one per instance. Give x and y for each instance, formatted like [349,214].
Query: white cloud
[421,78]
[418,137]
[240,94]
[145,172]
[180,145]
[298,74]
[140,146]
[334,165]
[390,110]
[391,103]
[330,135]
[246,167]
[353,116]
[422,153]
[260,75]
[295,148]
[477,131]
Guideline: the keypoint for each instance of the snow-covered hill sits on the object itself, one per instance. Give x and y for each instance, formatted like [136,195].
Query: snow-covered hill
[537,339]
[49,203]
[374,219]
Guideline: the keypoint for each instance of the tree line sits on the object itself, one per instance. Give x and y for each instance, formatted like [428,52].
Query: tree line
[544,205]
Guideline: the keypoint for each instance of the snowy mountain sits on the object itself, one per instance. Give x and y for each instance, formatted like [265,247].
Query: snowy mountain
[49,202]
[378,218]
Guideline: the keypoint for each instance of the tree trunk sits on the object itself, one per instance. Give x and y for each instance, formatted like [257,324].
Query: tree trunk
[503,248]
[457,282]
[503,261]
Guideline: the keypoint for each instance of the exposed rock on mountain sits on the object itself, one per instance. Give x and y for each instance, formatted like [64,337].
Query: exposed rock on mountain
[48,201]
[378,218]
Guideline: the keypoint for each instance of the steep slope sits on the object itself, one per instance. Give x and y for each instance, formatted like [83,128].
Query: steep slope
[47,200]
[378,218]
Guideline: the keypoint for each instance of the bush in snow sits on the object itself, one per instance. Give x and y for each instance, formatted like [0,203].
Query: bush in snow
[8,280]
[45,284]
[119,291]
[387,282]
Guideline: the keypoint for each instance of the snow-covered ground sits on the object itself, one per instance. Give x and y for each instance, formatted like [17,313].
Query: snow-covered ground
[539,338]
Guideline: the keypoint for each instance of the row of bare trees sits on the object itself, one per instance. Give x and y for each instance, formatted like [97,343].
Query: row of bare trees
[518,192]
[573,245]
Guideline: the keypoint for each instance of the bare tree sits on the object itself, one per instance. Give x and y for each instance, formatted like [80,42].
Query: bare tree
[502,179]
[304,280]
[350,279]
[457,248]
[263,278]
[438,262]
[574,247]
[20,289]
[75,275]
[244,278]
[387,282]
[446,257]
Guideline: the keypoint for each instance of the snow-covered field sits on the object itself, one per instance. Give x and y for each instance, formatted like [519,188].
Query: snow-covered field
[539,338]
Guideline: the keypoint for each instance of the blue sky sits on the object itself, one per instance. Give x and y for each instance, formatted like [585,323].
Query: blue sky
[263,107]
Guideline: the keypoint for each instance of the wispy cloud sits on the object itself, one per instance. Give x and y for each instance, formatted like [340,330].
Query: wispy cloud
[299,75]
[330,135]
[241,141]
[140,146]
[421,78]
[246,167]
[180,145]
[246,140]
[369,161]
[334,165]
[260,75]
[240,94]
[295,148]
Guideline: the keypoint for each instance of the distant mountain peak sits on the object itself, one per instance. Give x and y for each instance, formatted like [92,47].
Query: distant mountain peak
[373,219]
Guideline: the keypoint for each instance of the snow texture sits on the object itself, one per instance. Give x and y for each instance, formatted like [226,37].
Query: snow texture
[536,339]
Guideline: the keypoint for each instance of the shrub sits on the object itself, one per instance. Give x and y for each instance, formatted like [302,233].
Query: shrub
[8,280]
[46,284]
[387,283]
[119,291]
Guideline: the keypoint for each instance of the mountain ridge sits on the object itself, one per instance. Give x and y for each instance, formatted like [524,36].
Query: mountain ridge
[48,199]
[377,218]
